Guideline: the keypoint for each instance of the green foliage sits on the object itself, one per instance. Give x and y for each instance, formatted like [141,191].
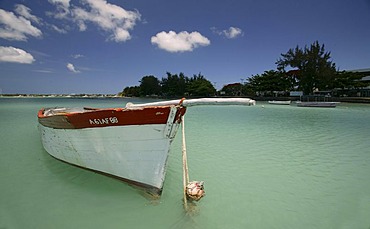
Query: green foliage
[234,89]
[131,91]
[271,81]
[149,85]
[349,80]
[176,85]
[200,86]
[317,71]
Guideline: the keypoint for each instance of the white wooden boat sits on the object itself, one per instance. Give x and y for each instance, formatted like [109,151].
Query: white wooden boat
[130,143]
[317,104]
[279,102]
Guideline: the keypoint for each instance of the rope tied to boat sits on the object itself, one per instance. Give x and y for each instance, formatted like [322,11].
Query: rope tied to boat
[193,190]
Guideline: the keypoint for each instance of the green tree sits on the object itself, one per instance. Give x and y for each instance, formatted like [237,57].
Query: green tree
[149,85]
[131,91]
[349,80]
[270,81]
[200,86]
[234,89]
[174,85]
[317,71]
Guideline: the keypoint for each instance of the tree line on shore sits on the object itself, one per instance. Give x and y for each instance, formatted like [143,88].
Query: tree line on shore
[305,69]
[173,85]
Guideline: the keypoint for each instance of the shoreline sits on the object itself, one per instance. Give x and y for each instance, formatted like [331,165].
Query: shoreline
[365,100]
[318,99]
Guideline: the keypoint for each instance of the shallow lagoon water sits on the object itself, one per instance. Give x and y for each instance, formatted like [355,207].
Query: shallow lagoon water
[266,166]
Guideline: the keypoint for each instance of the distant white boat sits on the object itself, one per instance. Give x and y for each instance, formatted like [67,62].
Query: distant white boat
[317,104]
[277,102]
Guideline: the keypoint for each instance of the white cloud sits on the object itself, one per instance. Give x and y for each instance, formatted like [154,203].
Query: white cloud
[24,11]
[72,68]
[15,55]
[43,71]
[108,17]
[62,8]
[57,29]
[120,35]
[181,42]
[231,33]
[76,56]
[61,3]
[13,27]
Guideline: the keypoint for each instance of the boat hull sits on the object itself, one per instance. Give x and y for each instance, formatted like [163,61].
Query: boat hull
[134,152]
[279,102]
[317,104]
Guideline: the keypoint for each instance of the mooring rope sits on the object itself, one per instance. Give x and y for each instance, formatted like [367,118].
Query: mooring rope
[184,163]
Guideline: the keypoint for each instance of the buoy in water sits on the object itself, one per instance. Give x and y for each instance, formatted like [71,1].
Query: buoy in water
[195,190]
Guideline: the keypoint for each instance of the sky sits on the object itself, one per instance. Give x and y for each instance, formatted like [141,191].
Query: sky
[103,46]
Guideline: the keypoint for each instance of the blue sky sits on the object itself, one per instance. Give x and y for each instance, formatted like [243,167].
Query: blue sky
[103,46]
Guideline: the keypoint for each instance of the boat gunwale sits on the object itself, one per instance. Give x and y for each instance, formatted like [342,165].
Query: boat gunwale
[87,117]
[41,113]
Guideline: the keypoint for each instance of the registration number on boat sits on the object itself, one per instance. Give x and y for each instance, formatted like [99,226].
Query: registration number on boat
[103,121]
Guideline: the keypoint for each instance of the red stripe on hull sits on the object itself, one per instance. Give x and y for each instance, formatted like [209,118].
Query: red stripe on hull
[91,118]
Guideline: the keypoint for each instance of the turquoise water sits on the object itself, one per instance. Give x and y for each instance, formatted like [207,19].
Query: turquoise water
[266,166]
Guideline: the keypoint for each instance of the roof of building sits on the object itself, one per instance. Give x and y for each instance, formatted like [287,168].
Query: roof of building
[360,70]
[366,78]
